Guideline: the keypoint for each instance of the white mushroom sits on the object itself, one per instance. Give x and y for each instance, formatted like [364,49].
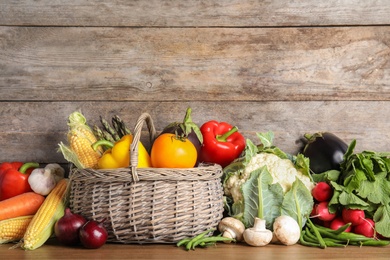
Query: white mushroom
[231,228]
[258,235]
[286,230]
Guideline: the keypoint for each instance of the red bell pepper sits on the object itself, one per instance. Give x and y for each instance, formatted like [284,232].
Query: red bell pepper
[14,178]
[222,143]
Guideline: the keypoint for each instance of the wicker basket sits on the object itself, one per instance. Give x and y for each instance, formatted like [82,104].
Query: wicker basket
[149,205]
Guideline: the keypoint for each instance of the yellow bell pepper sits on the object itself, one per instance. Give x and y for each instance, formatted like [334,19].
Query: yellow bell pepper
[118,156]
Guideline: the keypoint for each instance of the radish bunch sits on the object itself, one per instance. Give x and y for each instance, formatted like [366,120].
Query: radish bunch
[322,193]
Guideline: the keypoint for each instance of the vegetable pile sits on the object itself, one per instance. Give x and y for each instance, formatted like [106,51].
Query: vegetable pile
[179,145]
[324,196]
[34,199]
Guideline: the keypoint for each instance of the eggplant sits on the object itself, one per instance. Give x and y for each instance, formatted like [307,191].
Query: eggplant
[187,129]
[325,151]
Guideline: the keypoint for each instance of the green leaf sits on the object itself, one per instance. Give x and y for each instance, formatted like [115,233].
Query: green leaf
[266,138]
[333,204]
[278,152]
[70,155]
[237,210]
[382,164]
[331,175]
[261,198]
[250,151]
[352,201]
[189,126]
[302,164]
[382,220]
[342,197]
[354,179]
[344,164]
[298,202]
[376,191]
[368,166]
[336,186]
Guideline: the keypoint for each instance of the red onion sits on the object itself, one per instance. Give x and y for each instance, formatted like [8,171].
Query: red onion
[67,228]
[93,234]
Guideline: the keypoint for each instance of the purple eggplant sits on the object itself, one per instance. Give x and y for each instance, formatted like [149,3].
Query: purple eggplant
[187,129]
[325,151]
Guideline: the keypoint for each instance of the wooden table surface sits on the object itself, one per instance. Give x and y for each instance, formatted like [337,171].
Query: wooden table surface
[52,250]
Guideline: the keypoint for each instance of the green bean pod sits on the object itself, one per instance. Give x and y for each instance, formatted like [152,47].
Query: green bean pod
[303,240]
[316,233]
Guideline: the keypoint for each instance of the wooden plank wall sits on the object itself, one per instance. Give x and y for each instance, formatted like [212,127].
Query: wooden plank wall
[292,67]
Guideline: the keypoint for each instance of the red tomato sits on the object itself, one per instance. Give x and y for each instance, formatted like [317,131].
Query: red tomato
[170,151]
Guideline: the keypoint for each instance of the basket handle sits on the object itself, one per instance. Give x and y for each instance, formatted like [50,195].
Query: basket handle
[144,117]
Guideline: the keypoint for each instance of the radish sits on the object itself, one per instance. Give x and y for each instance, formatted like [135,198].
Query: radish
[353,216]
[322,191]
[366,228]
[337,223]
[326,223]
[314,210]
[322,212]
[314,216]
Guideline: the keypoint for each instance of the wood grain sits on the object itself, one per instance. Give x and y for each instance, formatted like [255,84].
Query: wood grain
[176,13]
[233,251]
[37,127]
[292,68]
[203,64]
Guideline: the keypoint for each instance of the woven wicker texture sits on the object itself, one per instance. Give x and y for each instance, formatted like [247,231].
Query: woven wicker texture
[149,205]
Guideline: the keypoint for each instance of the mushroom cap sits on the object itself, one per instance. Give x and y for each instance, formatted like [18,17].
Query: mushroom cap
[257,238]
[286,230]
[231,227]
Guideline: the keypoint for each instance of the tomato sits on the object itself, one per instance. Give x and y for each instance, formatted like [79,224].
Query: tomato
[169,151]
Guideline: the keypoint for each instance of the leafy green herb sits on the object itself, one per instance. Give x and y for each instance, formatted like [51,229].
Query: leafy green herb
[363,183]
[382,220]
[331,175]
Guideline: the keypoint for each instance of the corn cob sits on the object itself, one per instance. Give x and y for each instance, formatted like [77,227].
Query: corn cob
[80,138]
[13,229]
[41,226]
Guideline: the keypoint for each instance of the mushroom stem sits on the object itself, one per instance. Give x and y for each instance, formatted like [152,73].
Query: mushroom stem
[259,224]
[258,235]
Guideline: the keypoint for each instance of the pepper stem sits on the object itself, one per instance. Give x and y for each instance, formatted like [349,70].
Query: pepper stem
[28,165]
[222,138]
[107,143]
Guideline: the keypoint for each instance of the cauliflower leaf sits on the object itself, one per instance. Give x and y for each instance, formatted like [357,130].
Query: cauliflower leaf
[298,202]
[262,198]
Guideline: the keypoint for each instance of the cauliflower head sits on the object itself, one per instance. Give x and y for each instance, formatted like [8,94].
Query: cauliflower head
[283,171]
